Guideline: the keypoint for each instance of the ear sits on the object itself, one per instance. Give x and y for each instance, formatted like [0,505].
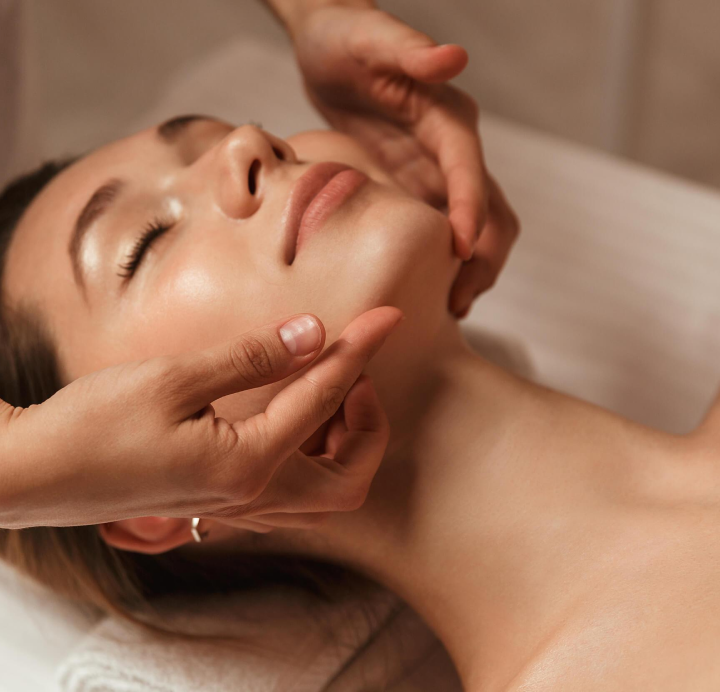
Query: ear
[150,535]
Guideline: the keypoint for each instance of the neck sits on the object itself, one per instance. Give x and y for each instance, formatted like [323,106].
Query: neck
[470,513]
[410,535]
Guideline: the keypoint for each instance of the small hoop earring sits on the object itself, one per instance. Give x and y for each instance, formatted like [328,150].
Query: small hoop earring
[194,523]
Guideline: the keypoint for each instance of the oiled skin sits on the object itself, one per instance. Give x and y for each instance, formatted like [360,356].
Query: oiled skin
[550,544]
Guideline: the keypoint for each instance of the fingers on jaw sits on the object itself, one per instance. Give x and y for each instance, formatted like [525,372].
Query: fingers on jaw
[255,359]
[315,484]
[310,400]
[463,223]
[490,253]
[472,280]
[502,212]
[461,161]
[499,234]
[422,178]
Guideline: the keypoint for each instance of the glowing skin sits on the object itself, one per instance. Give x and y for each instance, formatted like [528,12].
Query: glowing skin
[550,544]
[219,271]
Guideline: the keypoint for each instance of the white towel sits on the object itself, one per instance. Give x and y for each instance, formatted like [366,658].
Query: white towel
[369,641]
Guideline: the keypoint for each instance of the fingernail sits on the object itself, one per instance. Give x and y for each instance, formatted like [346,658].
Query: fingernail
[301,335]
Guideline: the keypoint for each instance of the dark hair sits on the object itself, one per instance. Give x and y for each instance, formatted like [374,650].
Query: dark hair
[29,371]
[75,561]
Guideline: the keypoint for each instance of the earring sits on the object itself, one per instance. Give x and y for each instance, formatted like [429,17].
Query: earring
[194,523]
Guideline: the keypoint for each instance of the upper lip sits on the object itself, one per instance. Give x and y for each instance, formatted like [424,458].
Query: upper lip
[302,194]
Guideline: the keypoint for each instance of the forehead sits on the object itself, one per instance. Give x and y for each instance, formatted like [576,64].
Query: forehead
[37,259]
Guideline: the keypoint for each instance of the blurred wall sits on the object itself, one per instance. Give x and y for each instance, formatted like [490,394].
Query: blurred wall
[639,78]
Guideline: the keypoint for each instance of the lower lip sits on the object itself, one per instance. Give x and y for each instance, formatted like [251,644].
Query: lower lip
[337,190]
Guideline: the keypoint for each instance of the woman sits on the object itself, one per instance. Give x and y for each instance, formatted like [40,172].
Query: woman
[549,543]
[368,73]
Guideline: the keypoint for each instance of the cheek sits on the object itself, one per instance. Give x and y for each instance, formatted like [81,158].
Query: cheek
[209,294]
[409,252]
[394,251]
[204,300]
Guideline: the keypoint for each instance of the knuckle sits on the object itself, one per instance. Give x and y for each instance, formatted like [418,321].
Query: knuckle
[157,373]
[161,381]
[252,359]
[362,33]
[331,399]
[232,444]
[237,477]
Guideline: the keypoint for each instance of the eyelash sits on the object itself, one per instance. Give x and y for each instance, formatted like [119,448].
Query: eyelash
[150,234]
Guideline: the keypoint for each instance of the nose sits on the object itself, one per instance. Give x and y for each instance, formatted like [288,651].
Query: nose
[243,162]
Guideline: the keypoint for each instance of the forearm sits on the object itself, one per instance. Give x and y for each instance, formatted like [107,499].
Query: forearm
[291,12]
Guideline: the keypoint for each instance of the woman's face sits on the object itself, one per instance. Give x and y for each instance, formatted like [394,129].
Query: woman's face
[217,201]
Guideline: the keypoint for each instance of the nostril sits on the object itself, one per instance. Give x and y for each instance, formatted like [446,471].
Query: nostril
[252,176]
[278,153]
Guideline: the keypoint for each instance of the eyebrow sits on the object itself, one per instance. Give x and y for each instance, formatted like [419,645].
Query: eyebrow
[106,194]
[171,129]
[97,205]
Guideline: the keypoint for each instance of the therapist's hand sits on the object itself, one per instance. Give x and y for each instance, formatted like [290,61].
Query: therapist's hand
[142,439]
[490,253]
[383,82]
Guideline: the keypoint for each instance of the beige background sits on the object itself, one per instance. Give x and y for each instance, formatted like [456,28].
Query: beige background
[640,78]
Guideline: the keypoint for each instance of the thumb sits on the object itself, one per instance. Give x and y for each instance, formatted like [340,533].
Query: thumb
[390,45]
[258,357]
[434,64]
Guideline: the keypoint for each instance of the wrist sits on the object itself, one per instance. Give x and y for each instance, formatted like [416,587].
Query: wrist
[292,13]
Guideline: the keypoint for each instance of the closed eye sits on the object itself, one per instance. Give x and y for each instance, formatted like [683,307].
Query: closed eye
[134,258]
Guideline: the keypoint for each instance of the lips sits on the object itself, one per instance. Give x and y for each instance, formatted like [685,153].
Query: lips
[315,196]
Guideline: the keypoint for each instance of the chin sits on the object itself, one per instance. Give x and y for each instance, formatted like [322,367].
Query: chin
[397,252]
[402,256]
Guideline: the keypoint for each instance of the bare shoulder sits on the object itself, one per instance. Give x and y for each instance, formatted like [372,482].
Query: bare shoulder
[650,621]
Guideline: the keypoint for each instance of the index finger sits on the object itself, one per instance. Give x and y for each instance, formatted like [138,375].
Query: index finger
[307,402]
[455,142]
